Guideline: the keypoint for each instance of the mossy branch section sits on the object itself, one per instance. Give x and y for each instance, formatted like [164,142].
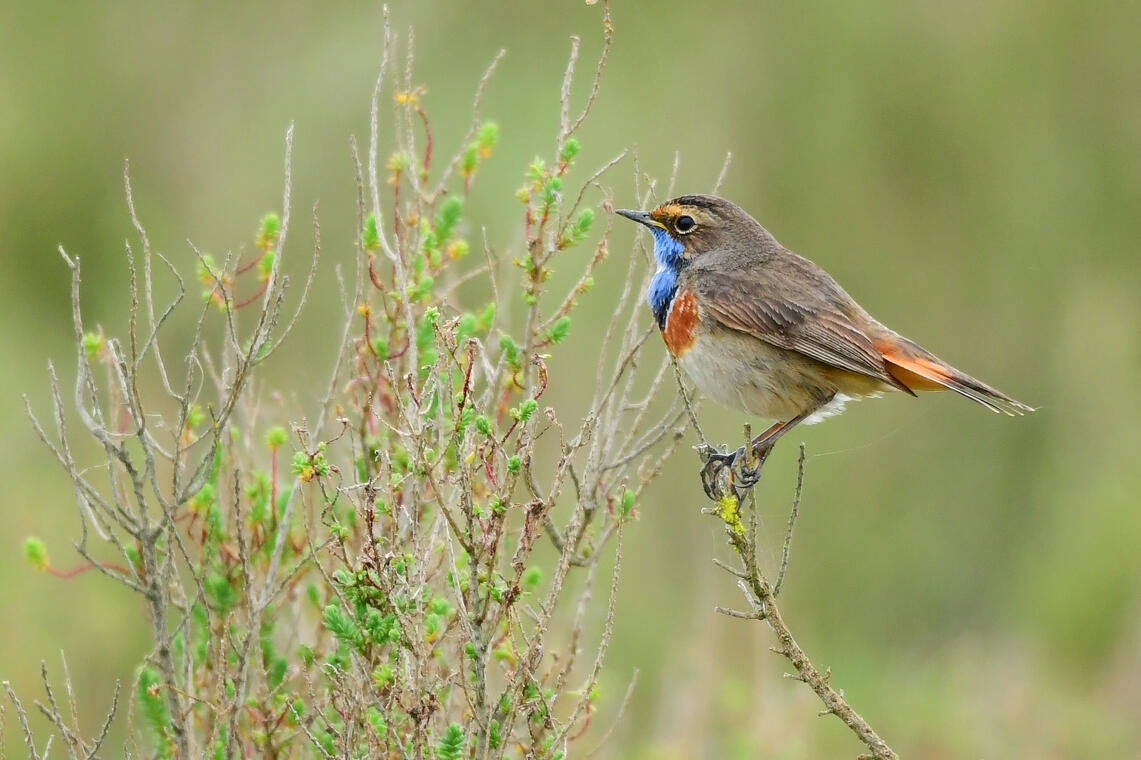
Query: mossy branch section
[761,594]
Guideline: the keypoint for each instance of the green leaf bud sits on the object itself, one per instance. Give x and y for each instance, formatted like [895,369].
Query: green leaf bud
[483,424]
[370,238]
[268,230]
[92,345]
[276,437]
[487,137]
[569,150]
[486,317]
[451,744]
[558,332]
[447,217]
[36,552]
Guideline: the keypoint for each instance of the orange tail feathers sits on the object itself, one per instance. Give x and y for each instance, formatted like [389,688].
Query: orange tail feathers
[919,370]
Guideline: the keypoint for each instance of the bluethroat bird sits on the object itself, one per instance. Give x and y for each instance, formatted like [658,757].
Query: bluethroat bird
[763,330]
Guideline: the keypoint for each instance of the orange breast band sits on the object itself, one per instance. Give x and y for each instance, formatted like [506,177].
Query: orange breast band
[680,331]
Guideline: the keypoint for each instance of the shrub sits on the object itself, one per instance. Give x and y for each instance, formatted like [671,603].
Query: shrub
[384,595]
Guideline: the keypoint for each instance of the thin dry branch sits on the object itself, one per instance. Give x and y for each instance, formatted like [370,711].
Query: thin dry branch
[77,747]
[567,127]
[724,171]
[792,515]
[22,715]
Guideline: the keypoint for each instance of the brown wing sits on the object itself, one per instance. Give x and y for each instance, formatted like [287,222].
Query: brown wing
[814,325]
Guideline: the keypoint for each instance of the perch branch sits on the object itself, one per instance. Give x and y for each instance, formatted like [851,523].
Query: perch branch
[761,596]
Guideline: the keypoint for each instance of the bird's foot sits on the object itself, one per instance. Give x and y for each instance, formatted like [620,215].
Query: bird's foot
[741,475]
[714,463]
[744,476]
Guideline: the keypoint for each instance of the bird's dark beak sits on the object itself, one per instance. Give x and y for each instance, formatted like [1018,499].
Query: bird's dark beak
[641,217]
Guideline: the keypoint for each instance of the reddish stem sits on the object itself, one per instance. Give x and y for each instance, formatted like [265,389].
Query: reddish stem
[372,275]
[252,263]
[427,136]
[467,378]
[487,468]
[585,725]
[510,430]
[367,337]
[398,354]
[84,568]
[260,292]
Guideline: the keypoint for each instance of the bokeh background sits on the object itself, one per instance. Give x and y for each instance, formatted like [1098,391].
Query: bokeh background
[970,171]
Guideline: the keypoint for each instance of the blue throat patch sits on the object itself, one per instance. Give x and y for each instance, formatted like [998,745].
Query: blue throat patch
[663,285]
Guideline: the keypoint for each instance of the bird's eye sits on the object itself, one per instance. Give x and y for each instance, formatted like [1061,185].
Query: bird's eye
[685,224]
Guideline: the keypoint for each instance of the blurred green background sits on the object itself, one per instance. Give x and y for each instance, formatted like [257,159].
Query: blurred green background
[970,171]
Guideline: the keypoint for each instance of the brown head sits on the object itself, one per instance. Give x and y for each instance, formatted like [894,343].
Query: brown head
[691,225]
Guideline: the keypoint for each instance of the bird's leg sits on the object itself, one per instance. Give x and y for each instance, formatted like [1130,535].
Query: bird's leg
[744,476]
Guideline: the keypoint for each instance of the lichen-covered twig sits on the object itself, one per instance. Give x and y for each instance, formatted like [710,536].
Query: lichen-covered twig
[761,596]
